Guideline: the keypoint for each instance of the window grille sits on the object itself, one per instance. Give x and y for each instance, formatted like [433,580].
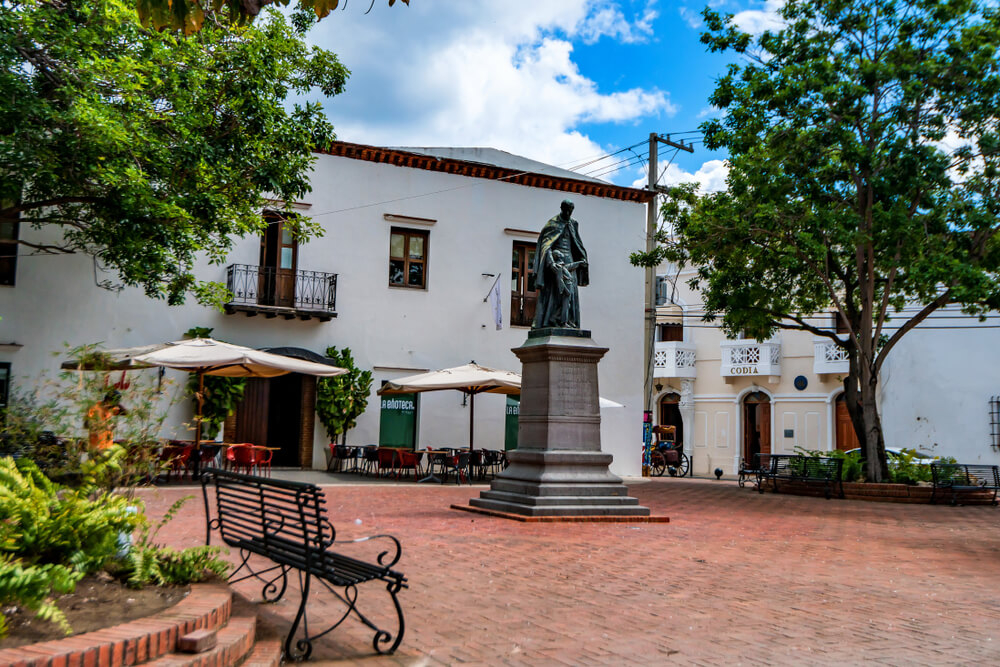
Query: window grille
[995,422]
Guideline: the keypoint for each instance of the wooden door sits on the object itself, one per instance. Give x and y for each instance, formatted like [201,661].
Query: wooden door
[284,419]
[847,439]
[670,415]
[523,295]
[251,414]
[756,426]
[278,263]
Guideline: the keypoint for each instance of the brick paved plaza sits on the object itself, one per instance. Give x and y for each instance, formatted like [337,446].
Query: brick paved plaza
[734,578]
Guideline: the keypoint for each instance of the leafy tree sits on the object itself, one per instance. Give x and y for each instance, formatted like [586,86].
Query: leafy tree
[189,15]
[145,148]
[863,152]
[342,399]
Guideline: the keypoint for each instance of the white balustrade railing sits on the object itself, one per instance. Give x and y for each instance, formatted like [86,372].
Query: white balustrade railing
[750,357]
[829,357]
[673,359]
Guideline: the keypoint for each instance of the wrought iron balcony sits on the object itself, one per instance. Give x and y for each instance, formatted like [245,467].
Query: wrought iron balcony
[673,359]
[750,357]
[274,292]
[829,357]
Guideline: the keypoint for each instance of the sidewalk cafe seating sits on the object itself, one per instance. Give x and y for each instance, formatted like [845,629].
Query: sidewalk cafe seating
[336,457]
[369,459]
[262,460]
[458,464]
[175,456]
[409,462]
[388,462]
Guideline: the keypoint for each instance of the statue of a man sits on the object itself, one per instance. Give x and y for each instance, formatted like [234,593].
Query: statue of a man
[560,269]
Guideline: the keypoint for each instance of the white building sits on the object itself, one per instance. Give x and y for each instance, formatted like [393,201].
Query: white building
[413,241]
[732,398]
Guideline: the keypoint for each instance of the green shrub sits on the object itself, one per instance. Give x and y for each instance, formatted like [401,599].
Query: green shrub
[44,523]
[32,587]
[850,470]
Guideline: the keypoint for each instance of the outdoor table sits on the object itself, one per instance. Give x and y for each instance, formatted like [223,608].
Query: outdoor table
[432,456]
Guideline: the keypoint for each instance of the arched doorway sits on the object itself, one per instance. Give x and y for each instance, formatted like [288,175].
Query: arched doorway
[670,414]
[846,437]
[756,425]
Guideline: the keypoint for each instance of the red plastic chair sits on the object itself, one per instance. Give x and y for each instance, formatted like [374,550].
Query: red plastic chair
[262,460]
[241,458]
[409,462]
[388,461]
[176,455]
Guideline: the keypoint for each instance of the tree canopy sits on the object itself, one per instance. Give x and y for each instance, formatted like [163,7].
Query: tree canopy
[863,180]
[342,399]
[189,15]
[144,148]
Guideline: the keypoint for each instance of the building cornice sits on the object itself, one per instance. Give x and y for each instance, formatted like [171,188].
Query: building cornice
[401,158]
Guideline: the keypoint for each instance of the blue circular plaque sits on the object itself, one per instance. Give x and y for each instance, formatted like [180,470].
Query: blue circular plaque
[801,382]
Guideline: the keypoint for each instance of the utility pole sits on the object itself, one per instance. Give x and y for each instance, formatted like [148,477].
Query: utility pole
[650,328]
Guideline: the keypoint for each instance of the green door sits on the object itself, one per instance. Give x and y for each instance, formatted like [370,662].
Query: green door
[510,422]
[398,421]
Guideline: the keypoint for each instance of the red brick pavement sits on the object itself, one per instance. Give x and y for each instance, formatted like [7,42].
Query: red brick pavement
[734,578]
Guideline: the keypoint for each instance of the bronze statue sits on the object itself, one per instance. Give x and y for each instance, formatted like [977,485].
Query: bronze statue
[560,270]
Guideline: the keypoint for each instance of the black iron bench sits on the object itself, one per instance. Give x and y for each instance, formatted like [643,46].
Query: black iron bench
[804,469]
[753,471]
[964,477]
[286,523]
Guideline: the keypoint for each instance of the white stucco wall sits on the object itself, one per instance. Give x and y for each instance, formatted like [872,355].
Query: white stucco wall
[395,331]
[936,385]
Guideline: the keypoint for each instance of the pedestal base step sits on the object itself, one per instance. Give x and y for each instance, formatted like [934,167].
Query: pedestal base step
[521,499]
[568,507]
[587,518]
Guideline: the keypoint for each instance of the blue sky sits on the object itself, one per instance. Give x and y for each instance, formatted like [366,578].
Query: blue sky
[559,81]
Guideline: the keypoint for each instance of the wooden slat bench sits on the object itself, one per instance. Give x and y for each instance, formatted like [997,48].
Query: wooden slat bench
[962,477]
[804,469]
[286,523]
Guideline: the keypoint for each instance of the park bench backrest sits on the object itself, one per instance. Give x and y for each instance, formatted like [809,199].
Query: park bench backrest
[276,518]
[965,474]
[811,467]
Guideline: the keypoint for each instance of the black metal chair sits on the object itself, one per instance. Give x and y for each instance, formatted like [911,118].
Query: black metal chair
[458,464]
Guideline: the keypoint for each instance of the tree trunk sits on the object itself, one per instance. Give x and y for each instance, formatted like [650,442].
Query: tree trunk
[860,392]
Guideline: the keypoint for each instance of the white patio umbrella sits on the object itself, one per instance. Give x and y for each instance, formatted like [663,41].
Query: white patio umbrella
[469,379]
[206,356]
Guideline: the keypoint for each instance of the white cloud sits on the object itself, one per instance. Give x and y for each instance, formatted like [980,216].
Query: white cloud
[757,21]
[609,21]
[482,73]
[710,177]
[691,17]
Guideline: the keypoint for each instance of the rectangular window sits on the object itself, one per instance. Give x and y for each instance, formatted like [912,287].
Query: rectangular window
[671,332]
[408,258]
[4,384]
[9,230]
[523,293]
[662,290]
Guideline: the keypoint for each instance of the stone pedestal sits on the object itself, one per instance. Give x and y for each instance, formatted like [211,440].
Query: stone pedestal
[558,468]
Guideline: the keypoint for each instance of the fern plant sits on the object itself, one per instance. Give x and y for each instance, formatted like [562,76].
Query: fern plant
[148,563]
[44,523]
[32,587]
